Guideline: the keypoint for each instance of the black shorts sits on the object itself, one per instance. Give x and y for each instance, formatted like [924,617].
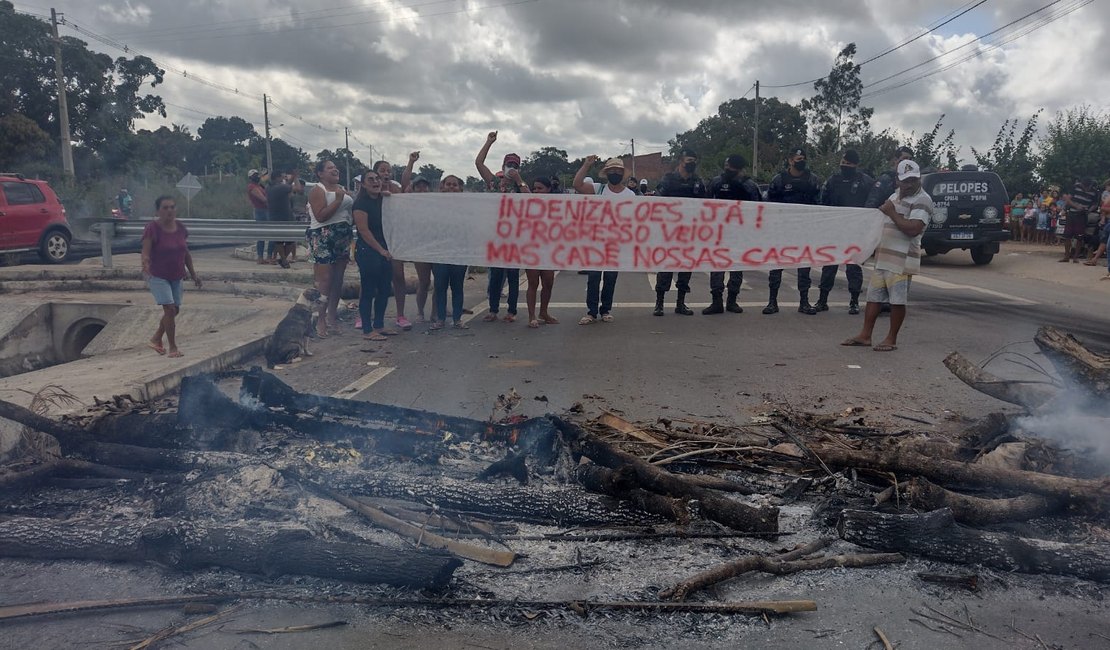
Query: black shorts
[1076,226]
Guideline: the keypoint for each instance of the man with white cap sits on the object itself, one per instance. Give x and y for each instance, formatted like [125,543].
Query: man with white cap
[600,285]
[898,257]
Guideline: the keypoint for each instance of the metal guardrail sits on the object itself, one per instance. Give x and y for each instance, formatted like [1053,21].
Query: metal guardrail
[231,231]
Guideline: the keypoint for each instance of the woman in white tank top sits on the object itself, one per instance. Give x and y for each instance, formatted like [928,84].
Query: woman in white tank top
[329,236]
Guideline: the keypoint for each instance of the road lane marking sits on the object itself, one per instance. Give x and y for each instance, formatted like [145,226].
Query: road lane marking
[951,286]
[353,389]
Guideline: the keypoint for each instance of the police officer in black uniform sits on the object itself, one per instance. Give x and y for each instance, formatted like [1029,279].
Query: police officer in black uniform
[683,182]
[846,189]
[886,183]
[732,185]
[795,184]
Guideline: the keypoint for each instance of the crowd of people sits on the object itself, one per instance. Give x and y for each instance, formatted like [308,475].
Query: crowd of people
[1078,219]
[345,225]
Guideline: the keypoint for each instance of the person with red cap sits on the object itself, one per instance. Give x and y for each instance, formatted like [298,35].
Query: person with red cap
[509,181]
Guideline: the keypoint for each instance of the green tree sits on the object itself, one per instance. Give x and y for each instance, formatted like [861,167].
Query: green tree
[474,184]
[1011,157]
[21,142]
[874,149]
[547,162]
[835,112]
[781,127]
[1076,144]
[232,130]
[928,152]
[431,173]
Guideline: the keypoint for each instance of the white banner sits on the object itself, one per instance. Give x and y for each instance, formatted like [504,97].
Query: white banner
[626,233]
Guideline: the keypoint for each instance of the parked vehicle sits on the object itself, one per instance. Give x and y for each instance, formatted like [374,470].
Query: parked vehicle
[970,206]
[32,219]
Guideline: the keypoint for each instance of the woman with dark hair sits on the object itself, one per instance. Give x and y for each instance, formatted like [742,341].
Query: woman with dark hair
[329,236]
[375,263]
[166,258]
[536,277]
[449,276]
[400,290]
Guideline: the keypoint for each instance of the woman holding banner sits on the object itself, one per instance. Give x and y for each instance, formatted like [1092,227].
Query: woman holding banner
[536,277]
[449,276]
[375,263]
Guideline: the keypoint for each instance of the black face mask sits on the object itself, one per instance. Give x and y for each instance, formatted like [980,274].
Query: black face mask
[690,167]
[730,174]
[615,178]
[800,165]
[847,171]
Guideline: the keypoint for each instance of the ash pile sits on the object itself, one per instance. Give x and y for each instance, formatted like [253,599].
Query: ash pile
[275,494]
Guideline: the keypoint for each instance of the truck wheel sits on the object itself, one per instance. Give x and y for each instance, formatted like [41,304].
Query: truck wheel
[980,256]
[54,247]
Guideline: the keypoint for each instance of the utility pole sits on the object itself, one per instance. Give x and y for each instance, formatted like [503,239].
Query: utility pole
[347,149]
[633,156]
[266,119]
[63,105]
[755,136]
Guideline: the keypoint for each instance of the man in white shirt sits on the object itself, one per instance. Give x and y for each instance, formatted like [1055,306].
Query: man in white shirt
[898,257]
[600,285]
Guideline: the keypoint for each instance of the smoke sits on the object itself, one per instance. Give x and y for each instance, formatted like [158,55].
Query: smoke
[1077,428]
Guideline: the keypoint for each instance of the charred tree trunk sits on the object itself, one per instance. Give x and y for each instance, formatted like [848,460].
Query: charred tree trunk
[265,550]
[1077,365]
[711,505]
[622,484]
[936,535]
[975,511]
[560,506]
[1024,394]
[1091,494]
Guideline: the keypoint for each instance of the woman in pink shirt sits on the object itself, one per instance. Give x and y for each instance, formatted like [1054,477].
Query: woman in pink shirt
[165,262]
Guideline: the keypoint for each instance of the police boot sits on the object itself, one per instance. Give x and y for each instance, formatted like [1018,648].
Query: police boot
[772,303]
[853,304]
[680,305]
[659,303]
[732,306]
[803,304]
[822,301]
[715,307]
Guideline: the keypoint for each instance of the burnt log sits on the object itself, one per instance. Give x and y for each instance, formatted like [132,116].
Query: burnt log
[1093,494]
[1078,366]
[922,494]
[711,505]
[534,436]
[1021,393]
[937,535]
[260,549]
[622,484]
[552,505]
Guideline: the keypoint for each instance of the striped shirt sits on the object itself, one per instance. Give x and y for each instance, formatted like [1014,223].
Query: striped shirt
[898,252]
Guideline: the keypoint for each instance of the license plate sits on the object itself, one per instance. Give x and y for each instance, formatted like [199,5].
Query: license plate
[962,235]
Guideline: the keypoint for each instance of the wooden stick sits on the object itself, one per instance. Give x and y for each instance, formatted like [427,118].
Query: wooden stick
[421,536]
[81,606]
[736,567]
[1023,394]
[882,637]
[172,631]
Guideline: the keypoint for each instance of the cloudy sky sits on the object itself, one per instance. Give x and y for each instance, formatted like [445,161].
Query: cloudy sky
[588,75]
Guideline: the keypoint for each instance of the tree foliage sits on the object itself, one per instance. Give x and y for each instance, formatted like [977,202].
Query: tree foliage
[835,112]
[231,130]
[548,162]
[781,127]
[929,152]
[1012,157]
[1076,145]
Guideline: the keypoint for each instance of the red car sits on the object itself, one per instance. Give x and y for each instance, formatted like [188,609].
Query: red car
[32,219]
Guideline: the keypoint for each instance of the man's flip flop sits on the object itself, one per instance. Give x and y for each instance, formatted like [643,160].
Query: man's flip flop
[885,348]
[854,343]
[175,354]
[375,337]
[157,348]
[489,318]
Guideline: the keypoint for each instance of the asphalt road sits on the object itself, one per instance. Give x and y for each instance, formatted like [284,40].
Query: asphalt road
[727,366]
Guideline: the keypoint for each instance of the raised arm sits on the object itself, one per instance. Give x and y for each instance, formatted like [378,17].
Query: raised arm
[480,160]
[406,176]
[580,184]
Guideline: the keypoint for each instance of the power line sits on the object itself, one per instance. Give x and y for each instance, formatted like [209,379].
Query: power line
[1046,20]
[944,21]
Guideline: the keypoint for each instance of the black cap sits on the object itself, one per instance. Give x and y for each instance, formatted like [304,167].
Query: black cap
[798,151]
[852,156]
[903,150]
[736,161]
[688,153]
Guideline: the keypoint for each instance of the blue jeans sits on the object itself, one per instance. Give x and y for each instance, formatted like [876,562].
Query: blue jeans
[262,214]
[497,279]
[376,283]
[449,276]
[600,284]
